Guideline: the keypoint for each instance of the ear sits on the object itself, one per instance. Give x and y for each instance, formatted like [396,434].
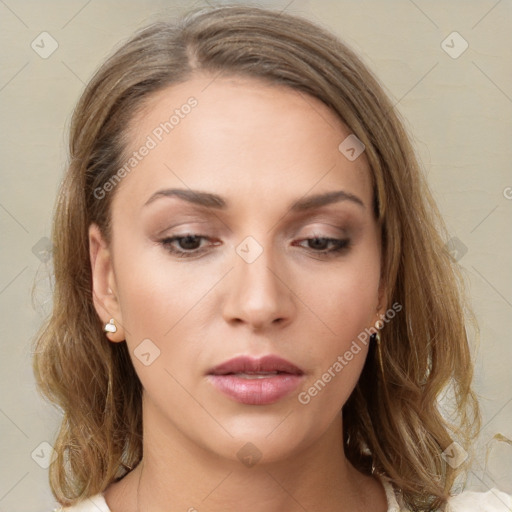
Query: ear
[383,288]
[382,299]
[104,288]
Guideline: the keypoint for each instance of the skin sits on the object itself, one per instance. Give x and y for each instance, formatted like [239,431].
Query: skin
[260,147]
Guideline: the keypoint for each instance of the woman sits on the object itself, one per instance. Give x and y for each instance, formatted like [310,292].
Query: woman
[254,309]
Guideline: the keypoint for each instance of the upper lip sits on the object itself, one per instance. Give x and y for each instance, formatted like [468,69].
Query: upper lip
[246,364]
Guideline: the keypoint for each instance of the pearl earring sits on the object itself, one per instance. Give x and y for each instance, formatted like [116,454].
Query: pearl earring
[110,326]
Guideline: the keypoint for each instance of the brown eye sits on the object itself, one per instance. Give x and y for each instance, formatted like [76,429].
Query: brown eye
[320,245]
[184,246]
[189,243]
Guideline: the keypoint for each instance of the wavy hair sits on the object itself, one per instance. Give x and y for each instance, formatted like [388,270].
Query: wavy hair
[393,419]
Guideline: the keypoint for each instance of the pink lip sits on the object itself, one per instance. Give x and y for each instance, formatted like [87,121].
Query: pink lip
[256,391]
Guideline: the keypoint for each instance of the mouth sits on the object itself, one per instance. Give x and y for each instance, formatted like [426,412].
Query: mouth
[260,381]
[254,375]
[248,367]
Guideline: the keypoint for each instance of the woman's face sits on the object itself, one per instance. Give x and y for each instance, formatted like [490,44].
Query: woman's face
[266,266]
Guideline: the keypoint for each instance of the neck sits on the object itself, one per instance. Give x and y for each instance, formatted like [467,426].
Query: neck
[177,474]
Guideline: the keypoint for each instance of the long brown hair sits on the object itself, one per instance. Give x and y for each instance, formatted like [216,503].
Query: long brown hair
[393,414]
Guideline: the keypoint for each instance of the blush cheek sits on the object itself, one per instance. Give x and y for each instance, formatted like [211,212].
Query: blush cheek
[164,303]
[336,361]
[346,304]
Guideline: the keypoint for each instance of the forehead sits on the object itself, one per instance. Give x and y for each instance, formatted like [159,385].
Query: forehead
[242,137]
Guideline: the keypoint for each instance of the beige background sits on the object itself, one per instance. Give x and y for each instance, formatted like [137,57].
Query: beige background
[458,111]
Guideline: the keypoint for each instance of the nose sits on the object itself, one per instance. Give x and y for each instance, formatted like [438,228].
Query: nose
[258,293]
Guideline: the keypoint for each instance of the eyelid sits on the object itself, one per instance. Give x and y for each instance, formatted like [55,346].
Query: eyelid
[338,246]
[167,241]
[184,224]
[322,230]
[340,220]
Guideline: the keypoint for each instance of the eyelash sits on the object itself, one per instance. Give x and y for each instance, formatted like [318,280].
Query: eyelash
[340,246]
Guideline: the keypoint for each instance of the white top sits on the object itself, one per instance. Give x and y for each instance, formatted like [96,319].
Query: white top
[468,501]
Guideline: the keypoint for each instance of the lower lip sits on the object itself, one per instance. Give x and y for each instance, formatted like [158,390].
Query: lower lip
[256,391]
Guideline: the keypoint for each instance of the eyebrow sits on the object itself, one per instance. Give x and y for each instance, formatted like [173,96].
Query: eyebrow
[210,200]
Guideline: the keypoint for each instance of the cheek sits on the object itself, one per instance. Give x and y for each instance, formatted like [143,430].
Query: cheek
[157,299]
[162,308]
[154,291]
[345,296]
[345,300]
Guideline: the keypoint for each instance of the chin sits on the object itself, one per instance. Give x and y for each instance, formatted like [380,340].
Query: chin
[261,440]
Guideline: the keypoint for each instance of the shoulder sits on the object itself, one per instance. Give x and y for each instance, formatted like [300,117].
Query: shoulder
[94,504]
[467,501]
[490,501]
